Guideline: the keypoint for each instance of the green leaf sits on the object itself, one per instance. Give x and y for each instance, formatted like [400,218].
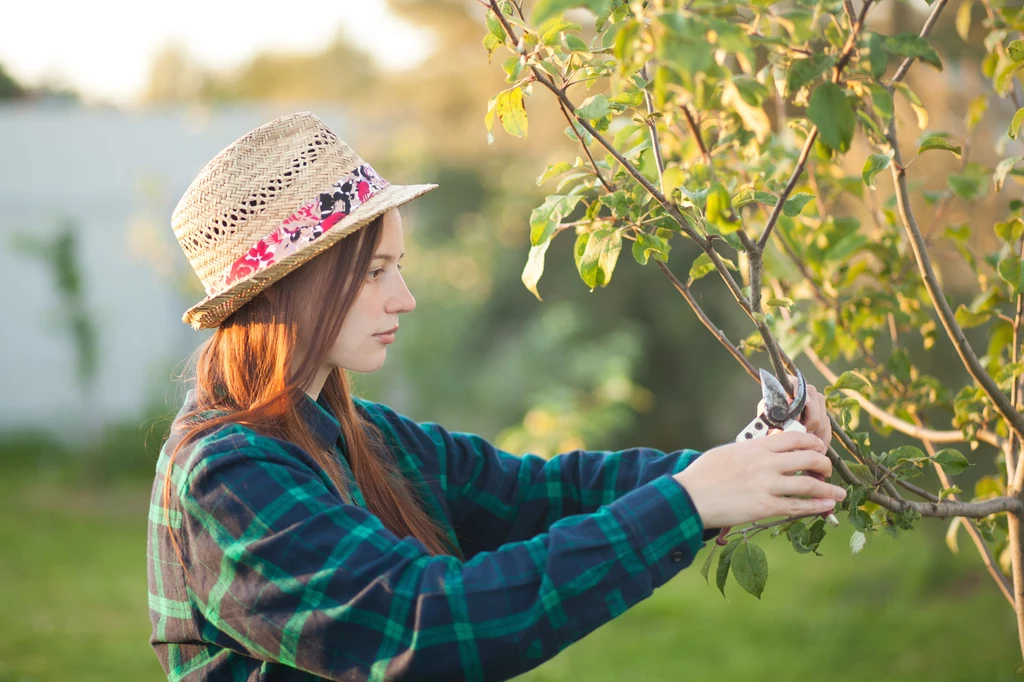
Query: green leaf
[575,44]
[831,112]
[805,71]
[546,9]
[800,537]
[786,303]
[850,379]
[545,218]
[878,59]
[724,563]
[859,519]
[702,265]
[938,142]
[1010,231]
[647,244]
[753,115]
[718,209]
[861,471]
[795,204]
[951,461]
[494,26]
[749,196]
[552,31]
[967,319]
[1014,129]
[881,102]
[535,267]
[554,170]
[873,165]
[967,186]
[706,568]
[600,256]
[1016,50]
[912,45]
[594,107]
[905,453]
[750,568]
[1010,271]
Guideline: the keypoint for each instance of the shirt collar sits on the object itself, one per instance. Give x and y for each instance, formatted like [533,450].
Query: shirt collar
[317,415]
[320,419]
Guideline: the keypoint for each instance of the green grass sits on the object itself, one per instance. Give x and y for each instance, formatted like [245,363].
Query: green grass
[73,605]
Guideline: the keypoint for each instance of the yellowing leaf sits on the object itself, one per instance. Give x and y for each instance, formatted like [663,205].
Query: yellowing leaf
[511,112]
[535,267]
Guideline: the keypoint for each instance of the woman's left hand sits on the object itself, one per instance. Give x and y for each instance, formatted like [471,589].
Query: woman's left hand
[815,416]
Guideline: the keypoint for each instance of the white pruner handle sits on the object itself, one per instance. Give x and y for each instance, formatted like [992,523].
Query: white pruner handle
[795,426]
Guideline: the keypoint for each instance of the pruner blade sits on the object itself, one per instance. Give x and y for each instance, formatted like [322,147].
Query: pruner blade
[778,408]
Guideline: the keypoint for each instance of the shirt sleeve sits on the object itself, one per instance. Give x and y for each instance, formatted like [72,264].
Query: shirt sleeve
[496,497]
[285,571]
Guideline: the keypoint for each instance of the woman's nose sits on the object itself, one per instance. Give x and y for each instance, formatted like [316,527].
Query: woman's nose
[403,301]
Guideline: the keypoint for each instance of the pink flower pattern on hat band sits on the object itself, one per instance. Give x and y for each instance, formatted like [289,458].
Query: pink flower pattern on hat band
[306,225]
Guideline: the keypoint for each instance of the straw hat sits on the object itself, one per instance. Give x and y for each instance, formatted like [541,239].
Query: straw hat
[270,201]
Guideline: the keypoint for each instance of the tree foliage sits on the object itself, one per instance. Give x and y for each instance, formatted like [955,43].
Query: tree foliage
[760,133]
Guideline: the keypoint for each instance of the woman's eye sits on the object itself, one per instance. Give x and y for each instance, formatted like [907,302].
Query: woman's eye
[374,274]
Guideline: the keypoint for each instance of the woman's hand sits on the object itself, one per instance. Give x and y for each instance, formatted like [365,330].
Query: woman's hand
[748,481]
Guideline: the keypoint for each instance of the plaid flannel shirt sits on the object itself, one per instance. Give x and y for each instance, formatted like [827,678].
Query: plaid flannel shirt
[289,582]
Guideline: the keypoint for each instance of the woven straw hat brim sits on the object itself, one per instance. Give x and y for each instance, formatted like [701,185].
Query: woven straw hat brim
[213,310]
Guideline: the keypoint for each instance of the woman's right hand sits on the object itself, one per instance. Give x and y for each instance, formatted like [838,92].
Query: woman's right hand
[748,481]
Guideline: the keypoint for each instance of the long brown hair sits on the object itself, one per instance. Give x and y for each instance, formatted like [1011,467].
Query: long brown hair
[256,363]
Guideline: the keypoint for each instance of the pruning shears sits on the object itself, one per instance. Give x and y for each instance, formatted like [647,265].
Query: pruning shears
[780,413]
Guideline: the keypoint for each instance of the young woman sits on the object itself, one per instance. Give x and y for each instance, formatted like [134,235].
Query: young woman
[298,532]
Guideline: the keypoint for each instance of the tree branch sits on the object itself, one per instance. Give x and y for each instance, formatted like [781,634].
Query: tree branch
[915,431]
[541,76]
[1013,418]
[586,150]
[706,321]
[1005,586]
[844,59]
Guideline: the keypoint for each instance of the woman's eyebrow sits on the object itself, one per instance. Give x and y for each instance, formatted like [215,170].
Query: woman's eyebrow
[388,257]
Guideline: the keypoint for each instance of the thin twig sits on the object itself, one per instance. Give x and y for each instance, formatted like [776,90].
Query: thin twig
[925,30]
[915,431]
[586,150]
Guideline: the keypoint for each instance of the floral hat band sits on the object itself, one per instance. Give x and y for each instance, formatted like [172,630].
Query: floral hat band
[305,226]
[268,203]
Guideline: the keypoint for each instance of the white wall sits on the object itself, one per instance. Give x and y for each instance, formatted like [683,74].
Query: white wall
[118,175]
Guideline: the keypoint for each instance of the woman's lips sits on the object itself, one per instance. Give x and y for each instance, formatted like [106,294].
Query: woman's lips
[388,336]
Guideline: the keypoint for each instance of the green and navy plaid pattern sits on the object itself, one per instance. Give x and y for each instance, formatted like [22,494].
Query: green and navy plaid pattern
[289,582]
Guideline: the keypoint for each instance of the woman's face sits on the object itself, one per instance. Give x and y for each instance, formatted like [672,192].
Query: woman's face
[361,346]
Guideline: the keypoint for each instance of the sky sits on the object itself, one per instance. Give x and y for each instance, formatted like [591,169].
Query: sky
[103,48]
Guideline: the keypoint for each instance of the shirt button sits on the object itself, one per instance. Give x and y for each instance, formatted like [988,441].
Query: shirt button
[678,556]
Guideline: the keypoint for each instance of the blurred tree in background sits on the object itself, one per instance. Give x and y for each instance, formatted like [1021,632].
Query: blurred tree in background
[481,354]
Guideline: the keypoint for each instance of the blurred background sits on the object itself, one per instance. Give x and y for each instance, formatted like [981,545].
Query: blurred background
[108,109]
